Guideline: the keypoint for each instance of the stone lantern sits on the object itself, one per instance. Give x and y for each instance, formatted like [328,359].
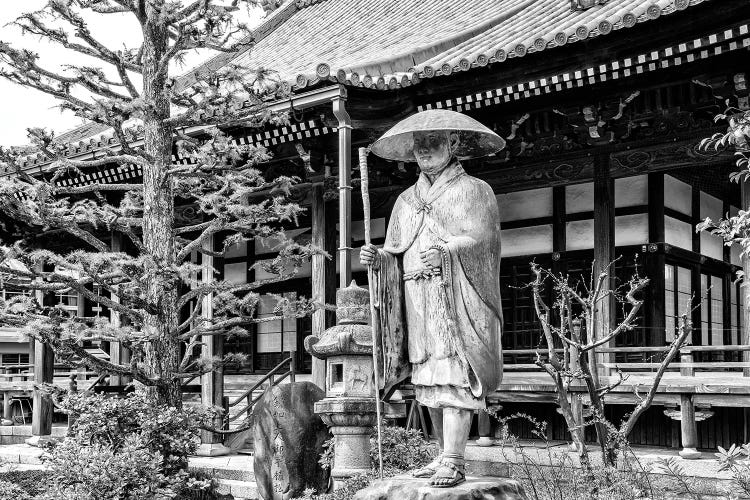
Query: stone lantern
[349,406]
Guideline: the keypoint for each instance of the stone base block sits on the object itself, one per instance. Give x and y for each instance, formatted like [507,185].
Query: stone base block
[212,450]
[690,454]
[485,441]
[409,488]
[40,441]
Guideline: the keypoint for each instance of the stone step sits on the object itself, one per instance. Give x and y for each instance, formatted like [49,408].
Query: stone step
[20,454]
[240,490]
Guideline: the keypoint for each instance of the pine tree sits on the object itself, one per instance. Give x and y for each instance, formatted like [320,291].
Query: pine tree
[154,289]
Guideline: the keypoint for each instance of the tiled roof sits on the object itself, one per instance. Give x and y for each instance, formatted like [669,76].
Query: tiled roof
[389,43]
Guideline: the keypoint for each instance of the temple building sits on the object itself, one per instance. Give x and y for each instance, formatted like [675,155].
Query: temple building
[603,105]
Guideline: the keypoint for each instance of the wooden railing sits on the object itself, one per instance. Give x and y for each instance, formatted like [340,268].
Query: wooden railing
[687,364]
[272,378]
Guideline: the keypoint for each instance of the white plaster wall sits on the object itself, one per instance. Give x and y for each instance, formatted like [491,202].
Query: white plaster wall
[735,255]
[527,204]
[236,273]
[579,198]
[631,229]
[238,250]
[14,348]
[579,235]
[711,246]
[631,191]
[678,195]
[735,250]
[711,206]
[526,241]
[678,233]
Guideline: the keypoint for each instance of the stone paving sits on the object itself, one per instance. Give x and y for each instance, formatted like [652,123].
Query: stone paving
[235,472]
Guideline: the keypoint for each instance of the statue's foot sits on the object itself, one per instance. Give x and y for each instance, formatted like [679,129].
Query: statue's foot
[428,470]
[448,475]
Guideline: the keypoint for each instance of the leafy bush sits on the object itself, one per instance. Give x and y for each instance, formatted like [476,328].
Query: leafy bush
[111,422]
[737,461]
[13,491]
[31,481]
[99,472]
[125,449]
[403,450]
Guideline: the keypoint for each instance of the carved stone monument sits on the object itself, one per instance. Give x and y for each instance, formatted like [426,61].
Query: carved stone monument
[349,405]
[436,281]
[288,440]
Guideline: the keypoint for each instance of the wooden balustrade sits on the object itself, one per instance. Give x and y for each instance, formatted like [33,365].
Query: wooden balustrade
[687,364]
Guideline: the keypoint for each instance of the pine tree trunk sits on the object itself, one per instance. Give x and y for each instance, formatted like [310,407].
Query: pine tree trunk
[162,353]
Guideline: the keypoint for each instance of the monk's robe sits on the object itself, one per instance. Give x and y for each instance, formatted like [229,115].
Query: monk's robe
[442,327]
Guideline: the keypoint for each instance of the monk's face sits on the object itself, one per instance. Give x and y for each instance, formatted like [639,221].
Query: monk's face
[434,150]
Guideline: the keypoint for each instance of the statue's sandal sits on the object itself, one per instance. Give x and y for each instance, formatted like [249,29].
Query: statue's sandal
[428,470]
[456,477]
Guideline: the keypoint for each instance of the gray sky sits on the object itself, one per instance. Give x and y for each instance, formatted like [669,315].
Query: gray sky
[23,108]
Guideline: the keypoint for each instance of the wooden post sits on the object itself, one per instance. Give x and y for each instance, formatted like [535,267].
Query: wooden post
[44,369]
[687,358]
[559,241]
[345,191]
[117,353]
[212,383]
[604,250]
[745,290]
[484,428]
[655,261]
[323,274]
[688,427]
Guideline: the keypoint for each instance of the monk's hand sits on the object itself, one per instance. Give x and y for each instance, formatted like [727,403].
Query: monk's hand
[369,256]
[432,258]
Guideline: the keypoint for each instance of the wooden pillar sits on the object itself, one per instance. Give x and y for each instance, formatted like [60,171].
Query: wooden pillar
[484,429]
[212,383]
[345,192]
[323,273]
[688,428]
[44,369]
[695,273]
[559,237]
[117,353]
[745,290]
[655,262]
[604,249]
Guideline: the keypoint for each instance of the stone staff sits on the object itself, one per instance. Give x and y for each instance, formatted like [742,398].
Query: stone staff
[364,187]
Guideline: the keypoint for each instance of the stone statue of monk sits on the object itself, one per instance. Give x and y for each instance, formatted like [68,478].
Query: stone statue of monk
[437,293]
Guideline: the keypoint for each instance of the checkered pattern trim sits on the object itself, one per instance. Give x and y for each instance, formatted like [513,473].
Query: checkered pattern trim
[109,175]
[700,48]
[294,132]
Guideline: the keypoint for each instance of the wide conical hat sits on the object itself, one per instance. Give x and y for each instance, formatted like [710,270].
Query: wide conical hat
[475,140]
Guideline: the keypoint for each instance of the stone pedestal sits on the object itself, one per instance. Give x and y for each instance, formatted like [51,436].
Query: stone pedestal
[349,406]
[409,488]
[351,421]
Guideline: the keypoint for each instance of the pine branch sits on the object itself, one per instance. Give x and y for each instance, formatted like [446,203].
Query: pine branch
[91,188]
